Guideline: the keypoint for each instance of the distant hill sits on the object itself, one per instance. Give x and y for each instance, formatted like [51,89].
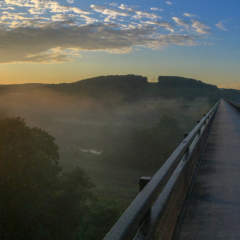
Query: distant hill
[124,86]
[231,94]
[188,88]
[127,88]
[173,81]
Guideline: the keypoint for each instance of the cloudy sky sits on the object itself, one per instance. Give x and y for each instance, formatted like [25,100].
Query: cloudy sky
[68,40]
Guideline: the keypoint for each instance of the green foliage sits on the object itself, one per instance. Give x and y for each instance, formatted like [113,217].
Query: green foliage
[102,215]
[28,175]
[39,201]
[145,149]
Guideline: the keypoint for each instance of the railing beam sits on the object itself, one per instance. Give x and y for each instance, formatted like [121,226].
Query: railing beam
[140,219]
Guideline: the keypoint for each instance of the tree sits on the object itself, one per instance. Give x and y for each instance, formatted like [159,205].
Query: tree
[28,174]
[70,205]
[38,200]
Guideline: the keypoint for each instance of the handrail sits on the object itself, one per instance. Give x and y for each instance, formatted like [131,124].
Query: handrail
[233,104]
[151,201]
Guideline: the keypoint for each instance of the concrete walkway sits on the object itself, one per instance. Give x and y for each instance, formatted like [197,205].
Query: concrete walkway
[213,208]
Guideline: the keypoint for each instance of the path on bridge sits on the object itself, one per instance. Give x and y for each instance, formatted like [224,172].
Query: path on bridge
[213,208]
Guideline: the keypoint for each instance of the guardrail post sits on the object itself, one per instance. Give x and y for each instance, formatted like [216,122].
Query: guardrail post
[145,224]
[143,181]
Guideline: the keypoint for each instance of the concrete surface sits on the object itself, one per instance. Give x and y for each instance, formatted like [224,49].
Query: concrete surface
[213,208]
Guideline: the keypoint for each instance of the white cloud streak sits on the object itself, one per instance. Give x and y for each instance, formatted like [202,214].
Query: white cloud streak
[189,15]
[156,9]
[162,24]
[169,3]
[141,14]
[200,27]
[180,22]
[221,26]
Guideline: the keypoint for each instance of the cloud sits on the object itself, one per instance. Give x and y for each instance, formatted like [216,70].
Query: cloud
[200,27]
[41,6]
[180,40]
[113,4]
[181,22]
[55,42]
[221,26]
[110,13]
[48,31]
[195,24]
[156,9]
[54,55]
[125,7]
[169,3]
[141,14]
[125,11]
[59,17]
[189,15]
[88,20]
[162,24]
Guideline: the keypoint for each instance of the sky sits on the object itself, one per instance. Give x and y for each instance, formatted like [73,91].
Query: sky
[69,40]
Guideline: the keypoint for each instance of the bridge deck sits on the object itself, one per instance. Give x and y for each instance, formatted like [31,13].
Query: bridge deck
[213,208]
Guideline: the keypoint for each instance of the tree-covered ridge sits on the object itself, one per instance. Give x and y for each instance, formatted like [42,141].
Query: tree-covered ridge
[174,81]
[128,88]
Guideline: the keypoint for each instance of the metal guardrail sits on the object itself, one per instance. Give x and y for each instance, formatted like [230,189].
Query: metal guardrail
[234,104]
[140,220]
